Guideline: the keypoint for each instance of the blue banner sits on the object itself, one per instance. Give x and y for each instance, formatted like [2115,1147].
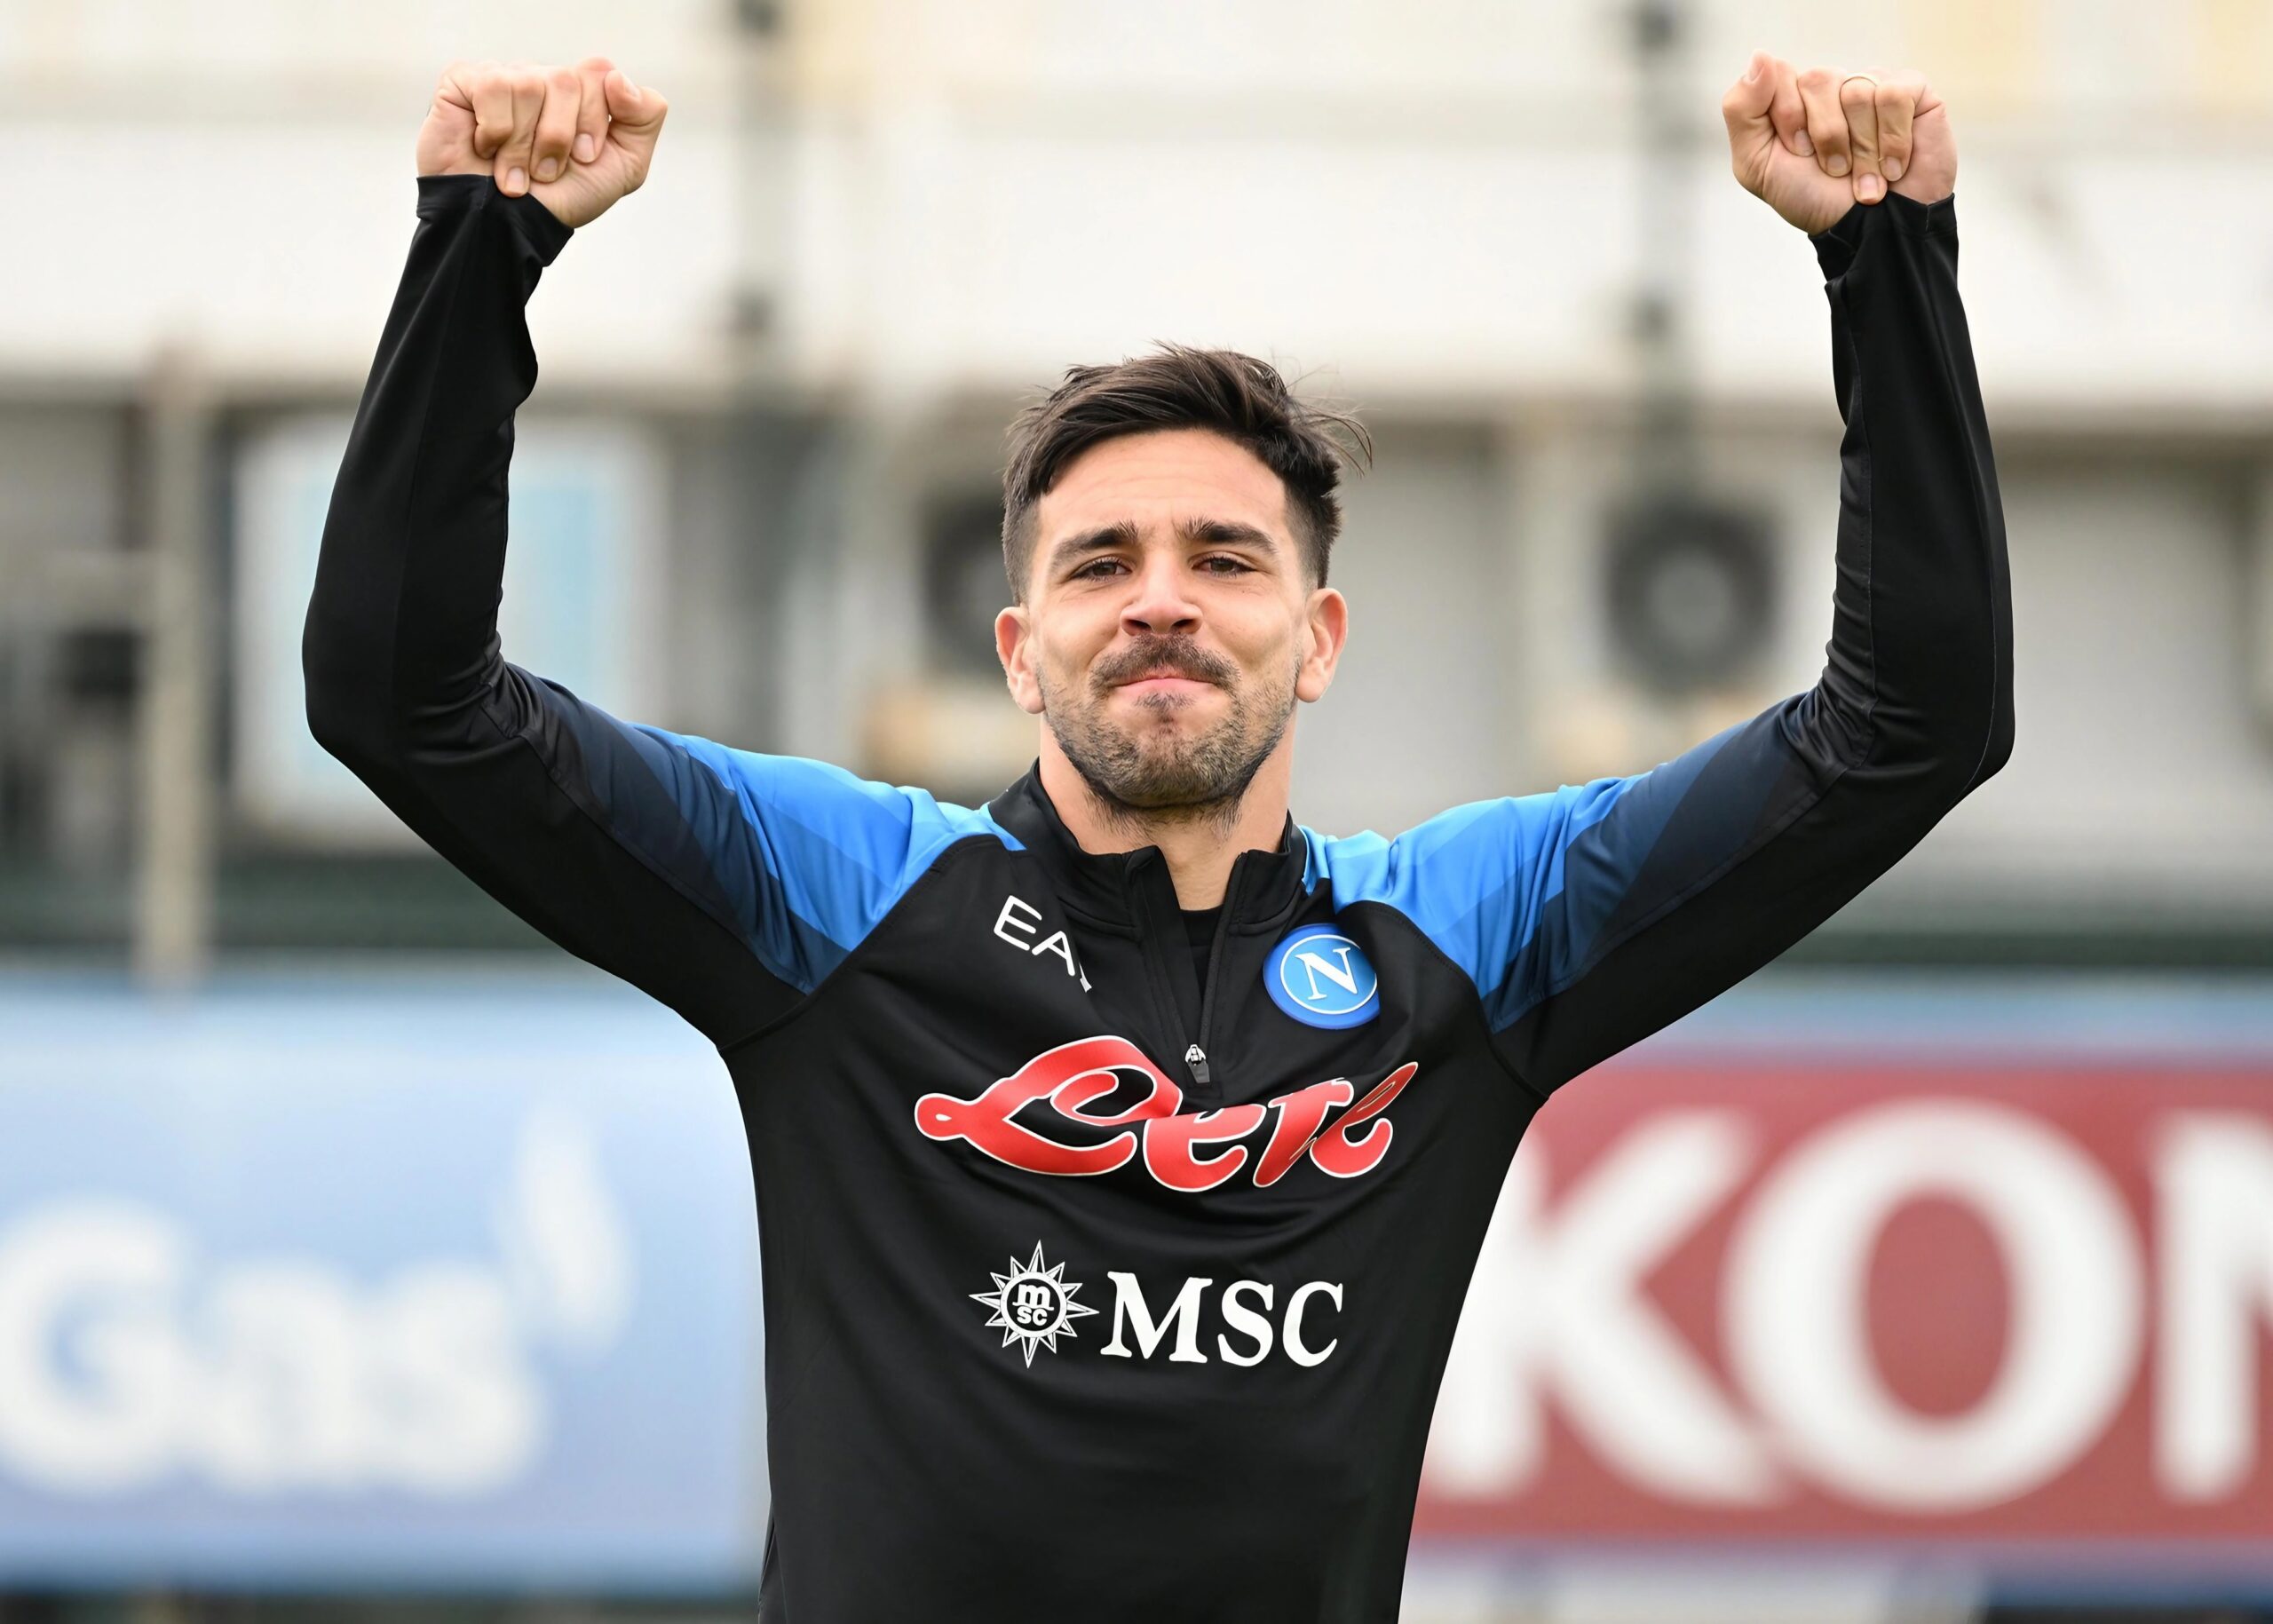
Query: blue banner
[319,1282]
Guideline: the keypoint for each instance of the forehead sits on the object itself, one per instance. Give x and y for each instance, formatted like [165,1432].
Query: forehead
[1160,476]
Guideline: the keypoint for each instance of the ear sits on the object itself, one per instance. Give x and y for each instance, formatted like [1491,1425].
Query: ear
[1326,628]
[1014,646]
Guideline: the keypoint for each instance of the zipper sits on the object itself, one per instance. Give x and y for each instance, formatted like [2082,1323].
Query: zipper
[1152,932]
[1164,938]
[1196,1056]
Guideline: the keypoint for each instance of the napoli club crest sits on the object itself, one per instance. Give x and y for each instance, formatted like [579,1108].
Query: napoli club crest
[1323,978]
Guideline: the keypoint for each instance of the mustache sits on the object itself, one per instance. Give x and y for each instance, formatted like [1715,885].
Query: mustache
[1166,656]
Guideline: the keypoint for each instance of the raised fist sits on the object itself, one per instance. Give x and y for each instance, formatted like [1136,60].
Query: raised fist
[1812,145]
[578,137]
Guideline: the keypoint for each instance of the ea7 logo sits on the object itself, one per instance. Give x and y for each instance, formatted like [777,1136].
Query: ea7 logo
[1073,1077]
[1014,926]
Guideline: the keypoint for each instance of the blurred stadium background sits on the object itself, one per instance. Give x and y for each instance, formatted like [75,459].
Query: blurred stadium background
[360,1255]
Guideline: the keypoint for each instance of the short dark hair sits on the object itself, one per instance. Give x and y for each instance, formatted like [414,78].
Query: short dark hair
[1181,386]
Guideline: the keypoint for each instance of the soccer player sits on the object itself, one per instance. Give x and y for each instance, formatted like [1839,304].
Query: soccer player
[1123,1147]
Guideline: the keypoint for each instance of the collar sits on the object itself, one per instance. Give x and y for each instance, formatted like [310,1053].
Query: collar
[1112,886]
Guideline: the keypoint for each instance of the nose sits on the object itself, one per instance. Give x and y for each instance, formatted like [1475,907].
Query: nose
[1160,599]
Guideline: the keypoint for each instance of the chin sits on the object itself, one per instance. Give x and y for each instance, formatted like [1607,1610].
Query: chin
[1177,730]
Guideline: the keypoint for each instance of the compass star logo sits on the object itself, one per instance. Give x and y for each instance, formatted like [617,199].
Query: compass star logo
[1033,1304]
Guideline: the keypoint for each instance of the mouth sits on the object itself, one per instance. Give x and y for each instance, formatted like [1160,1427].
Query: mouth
[1168,682]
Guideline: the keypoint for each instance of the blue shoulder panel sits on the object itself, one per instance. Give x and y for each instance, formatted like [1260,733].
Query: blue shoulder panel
[806,857]
[1517,891]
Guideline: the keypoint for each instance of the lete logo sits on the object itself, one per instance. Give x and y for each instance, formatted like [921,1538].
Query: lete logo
[1074,1077]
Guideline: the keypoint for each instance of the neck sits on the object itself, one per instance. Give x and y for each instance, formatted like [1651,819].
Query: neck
[1198,846]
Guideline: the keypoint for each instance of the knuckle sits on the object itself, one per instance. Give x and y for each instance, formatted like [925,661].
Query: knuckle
[1856,93]
[1815,78]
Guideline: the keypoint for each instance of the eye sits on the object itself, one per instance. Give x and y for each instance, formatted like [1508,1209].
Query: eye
[1094,570]
[1229,565]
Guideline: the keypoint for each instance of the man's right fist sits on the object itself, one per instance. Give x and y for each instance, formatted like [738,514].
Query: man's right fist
[578,137]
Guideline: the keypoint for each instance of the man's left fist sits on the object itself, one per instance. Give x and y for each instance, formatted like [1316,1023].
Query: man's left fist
[1815,144]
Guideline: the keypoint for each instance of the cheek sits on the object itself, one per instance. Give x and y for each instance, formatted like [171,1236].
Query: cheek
[1264,650]
[1065,649]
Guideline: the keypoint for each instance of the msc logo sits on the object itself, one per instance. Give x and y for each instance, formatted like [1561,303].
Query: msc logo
[1323,978]
[1034,1306]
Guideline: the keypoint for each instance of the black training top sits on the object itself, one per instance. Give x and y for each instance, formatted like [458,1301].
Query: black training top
[1095,1289]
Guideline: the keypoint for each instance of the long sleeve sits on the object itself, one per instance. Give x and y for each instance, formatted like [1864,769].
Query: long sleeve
[1593,916]
[725,884]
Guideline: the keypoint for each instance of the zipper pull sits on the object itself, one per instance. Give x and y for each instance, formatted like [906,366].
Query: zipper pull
[1196,1057]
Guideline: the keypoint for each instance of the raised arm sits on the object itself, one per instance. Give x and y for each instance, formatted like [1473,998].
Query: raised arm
[725,884]
[1591,916]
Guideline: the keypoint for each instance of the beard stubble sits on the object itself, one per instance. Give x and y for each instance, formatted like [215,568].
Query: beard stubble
[1147,773]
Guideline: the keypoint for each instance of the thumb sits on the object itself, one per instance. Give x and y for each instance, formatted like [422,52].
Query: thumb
[1746,107]
[635,116]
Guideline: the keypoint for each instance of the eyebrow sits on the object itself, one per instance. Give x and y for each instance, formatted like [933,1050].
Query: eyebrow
[1212,532]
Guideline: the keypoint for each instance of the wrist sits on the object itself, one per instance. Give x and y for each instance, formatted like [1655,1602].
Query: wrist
[545,232]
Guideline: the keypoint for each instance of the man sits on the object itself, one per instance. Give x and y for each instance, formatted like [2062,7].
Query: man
[1122,1147]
